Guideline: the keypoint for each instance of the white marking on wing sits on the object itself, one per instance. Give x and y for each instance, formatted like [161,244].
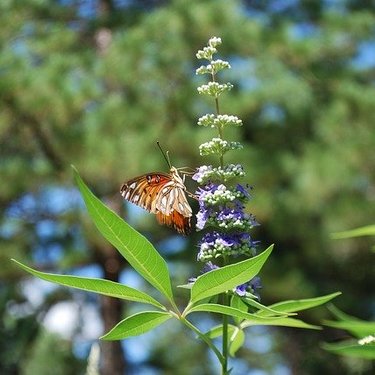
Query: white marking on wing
[163,202]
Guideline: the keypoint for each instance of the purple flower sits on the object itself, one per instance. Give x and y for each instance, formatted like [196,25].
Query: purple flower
[207,189]
[251,286]
[209,266]
[230,214]
[221,207]
[244,190]
[200,173]
[202,217]
[215,244]
[241,289]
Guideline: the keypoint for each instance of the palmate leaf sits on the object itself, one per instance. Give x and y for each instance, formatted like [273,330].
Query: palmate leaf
[352,349]
[134,247]
[105,287]
[136,325]
[226,278]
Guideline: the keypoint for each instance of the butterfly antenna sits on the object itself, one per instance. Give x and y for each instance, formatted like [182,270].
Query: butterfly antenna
[165,154]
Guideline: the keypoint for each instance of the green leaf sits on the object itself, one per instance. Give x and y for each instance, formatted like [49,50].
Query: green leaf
[340,315]
[226,278]
[237,303]
[352,349]
[137,324]
[268,311]
[282,322]
[298,305]
[217,331]
[252,319]
[231,311]
[236,336]
[358,328]
[368,230]
[105,287]
[185,286]
[236,340]
[134,247]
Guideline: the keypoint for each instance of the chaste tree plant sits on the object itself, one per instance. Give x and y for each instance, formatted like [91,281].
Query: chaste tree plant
[229,284]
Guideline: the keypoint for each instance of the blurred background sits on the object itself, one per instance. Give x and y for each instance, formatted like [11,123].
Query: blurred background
[96,83]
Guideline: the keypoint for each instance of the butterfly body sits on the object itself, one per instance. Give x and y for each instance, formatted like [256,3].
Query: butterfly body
[163,195]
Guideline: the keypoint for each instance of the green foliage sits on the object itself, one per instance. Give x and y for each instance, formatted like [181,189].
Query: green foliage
[146,261]
[231,311]
[137,324]
[303,304]
[364,331]
[134,247]
[368,230]
[61,354]
[352,349]
[104,287]
[236,337]
[228,277]
[303,87]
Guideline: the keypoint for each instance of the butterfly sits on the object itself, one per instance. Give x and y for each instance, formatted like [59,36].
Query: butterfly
[163,194]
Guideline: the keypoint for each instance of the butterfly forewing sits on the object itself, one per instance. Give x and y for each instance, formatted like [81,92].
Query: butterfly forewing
[162,194]
[142,190]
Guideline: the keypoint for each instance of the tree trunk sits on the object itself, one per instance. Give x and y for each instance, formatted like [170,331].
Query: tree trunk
[112,355]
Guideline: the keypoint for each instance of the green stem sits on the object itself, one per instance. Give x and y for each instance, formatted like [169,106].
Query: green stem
[219,128]
[217,105]
[224,366]
[205,339]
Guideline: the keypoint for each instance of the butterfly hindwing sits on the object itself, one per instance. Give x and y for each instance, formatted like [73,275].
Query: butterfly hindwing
[176,221]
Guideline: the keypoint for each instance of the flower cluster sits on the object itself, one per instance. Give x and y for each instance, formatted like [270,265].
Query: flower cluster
[367,340]
[208,173]
[219,120]
[214,89]
[218,146]
[222,201]
[222,211]
[250,288]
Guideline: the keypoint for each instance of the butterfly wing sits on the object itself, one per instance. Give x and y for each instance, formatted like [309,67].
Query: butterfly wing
[162,194]
[144,190]
[175,220]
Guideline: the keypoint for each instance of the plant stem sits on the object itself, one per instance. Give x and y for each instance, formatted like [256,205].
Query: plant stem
[225,338]
[224,364]
[219,128]
[206,339]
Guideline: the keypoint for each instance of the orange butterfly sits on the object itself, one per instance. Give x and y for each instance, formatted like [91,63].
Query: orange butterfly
[162,194]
